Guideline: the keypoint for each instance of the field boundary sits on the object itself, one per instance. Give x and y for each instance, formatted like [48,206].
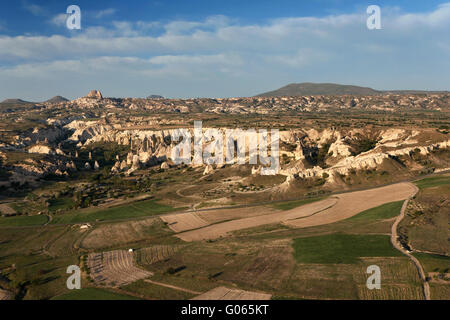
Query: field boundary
[172,287]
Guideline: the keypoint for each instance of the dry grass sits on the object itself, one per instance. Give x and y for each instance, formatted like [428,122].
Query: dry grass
[222,293]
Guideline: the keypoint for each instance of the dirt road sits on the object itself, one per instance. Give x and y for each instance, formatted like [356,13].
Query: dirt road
[171,286]
[398,246]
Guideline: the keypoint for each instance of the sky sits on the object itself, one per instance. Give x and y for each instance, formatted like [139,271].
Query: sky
[197,48]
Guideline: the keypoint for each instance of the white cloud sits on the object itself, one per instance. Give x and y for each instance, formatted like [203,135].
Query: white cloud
[59,20]
[34,9]
[242,56]
[104,13]
[436,19]
[215,35]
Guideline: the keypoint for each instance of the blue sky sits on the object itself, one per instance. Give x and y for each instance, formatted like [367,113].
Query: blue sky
[194,48]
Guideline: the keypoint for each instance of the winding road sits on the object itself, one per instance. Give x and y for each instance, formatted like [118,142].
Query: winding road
[398,246]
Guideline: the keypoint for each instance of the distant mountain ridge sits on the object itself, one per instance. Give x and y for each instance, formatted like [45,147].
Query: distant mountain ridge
[15,101]
[57,99]
[311,89]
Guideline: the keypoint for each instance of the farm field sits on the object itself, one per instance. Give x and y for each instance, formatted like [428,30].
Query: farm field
[222,229]
[321,212]
[136,210]
[216,216]
[352,203]
[434,263]
[114,268]
[342,248]
[433,182]
[121,233]
[93,294]
[23,221]
[276,261]
[425,226]
[184,221]
[222,293]
[156,253]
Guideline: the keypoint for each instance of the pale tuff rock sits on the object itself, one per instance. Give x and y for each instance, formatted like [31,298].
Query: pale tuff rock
[395,138]
[322,137]
[368,160]
[29,171]
[43,134]
[332,178]
[293,168]
[96,166]
[165,165]
[90,155]
[71,166]
[129,159]
[391,134]
[41,149]
[155,146]
[256,171]
[340,149]
[136,163]
[148,159]
[95,94]
[61,173]
[298,153]
[220,166]
[116,167]
[84,133]
[123,166]
[208,170]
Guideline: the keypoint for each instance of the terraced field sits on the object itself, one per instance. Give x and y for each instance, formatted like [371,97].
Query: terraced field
[115,268]
[155,254]
[184,221]
[223,293]
[114,234]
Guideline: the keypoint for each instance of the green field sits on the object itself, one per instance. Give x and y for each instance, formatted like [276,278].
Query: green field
[294,204]
[93,294]
[342,248]
[61,203]
[134,210]
[433,262]
[433,182]
[385,211]
[23,221]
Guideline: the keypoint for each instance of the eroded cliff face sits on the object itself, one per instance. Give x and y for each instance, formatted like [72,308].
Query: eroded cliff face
[310,153]
[340,149]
